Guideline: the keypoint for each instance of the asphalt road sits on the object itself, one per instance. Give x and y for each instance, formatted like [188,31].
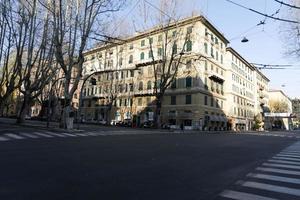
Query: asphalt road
[130,166]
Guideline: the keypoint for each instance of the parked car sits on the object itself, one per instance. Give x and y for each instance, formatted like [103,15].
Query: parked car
[148,124]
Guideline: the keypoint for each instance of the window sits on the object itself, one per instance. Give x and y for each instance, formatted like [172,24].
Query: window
[151,40]
[189,45]
[131,73]
[173,85]
[131,87]
[142,56]
[188,64]
[130,59]
[159,38]
[150,54]
[140,101]
[173,100]
[205,100]
[174,48]
[141,85]
[189,30]
[188,99]
[205,83]
[142,43]
[221,59]
[205,48]
[149,85]
[174,33]
[217,103]
[212,52]
[188,81]
[120,61]
[160,51]
[131,46]
[211,101]
[217,55]
[205,65]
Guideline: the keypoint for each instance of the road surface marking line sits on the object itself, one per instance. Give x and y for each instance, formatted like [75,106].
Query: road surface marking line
[91,134]
[43,134]
[69,134]
[29,135]
[275,170]
[284,158]
[272,188]
[14,136]
[54,134]
[243,196]
[4,138]
[291,152]
[287,155]
[81,134]
[274,178]
[281,165]
[284,162]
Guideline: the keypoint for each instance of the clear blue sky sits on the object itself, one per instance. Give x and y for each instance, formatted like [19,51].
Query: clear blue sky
[266,43]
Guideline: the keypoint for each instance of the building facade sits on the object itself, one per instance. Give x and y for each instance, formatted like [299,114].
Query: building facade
[215,88]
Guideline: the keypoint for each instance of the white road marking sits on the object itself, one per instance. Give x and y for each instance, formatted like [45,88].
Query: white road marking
[281,171]
[290,152]
[243,196]
[273,188]
[55,134]
[288,155]
[281,165]
[275,178]
[81,134]
[43,134]
[14,136]
[284,162]
[4,138]
[29,135]
[91,134]
[69,134]
[285,158]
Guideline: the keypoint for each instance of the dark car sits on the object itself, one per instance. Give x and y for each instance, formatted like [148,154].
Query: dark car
[148,124]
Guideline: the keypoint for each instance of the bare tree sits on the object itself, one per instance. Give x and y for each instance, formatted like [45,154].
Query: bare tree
[173,43]
[74,22]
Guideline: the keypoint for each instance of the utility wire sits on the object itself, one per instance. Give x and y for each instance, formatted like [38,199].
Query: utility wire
[288,5]
[263,14]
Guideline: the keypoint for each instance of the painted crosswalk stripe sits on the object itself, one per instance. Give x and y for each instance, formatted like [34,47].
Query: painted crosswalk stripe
[281,165]
[81,134]
[273,188]
[55,134]
[91,134]
[290,152]
[285,158]
[43,134]
[288,155]
[14,136]
[284,162]
[274,178]
[281,171]
[4,138]
[243,196]
[29,135]
[69,134]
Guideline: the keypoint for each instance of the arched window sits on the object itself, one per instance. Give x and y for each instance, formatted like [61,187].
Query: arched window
[174,48]
[149,84]
[188,81]
[130,59]
[189,45]
[141,85]
[142,56]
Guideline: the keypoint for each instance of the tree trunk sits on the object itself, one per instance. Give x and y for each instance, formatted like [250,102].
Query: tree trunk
[67,116]
[158,112]
[2,108]
[24,109]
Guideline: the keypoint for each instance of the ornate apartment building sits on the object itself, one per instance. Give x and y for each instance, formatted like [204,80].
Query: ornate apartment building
[215,88]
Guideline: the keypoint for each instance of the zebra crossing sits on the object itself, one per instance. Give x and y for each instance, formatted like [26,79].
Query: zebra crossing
[6,137]
[277,178]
